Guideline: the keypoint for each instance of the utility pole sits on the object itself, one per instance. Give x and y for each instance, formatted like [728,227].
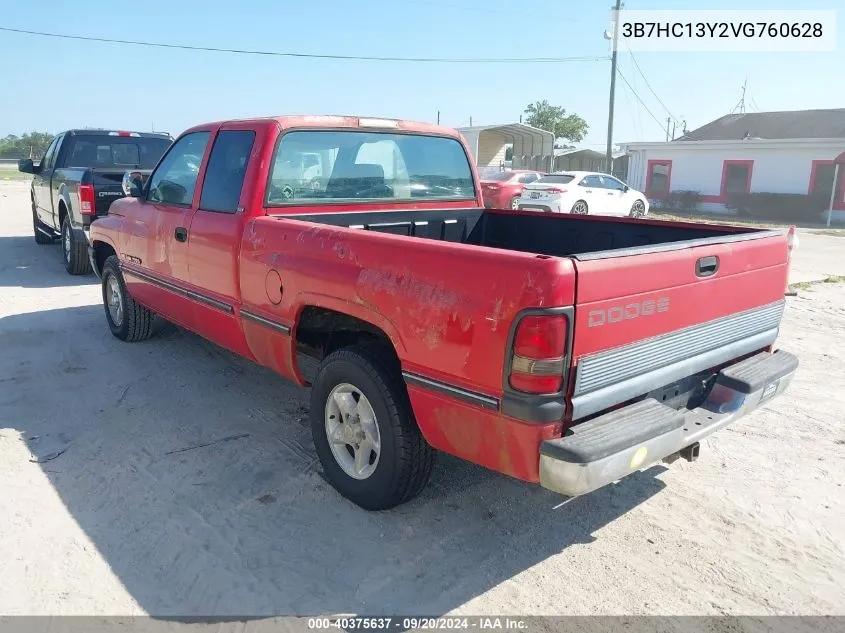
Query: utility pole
[668,122]
[470,121]
[438,117]
[742,101]
[609,155]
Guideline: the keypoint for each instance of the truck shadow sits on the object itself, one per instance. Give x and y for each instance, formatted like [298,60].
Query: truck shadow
[29,265]
[193,473]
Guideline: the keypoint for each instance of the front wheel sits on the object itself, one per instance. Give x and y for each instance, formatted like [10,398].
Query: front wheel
[365,435]
[128,320]
[638,209]
[75,251]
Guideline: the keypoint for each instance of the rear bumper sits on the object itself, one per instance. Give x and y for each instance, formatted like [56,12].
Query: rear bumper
[545,208]
[611,446]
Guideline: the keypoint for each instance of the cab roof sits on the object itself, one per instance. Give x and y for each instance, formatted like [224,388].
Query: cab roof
[329,121]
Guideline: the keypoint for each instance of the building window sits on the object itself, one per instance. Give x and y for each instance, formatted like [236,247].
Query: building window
[821,182]
[658,178]
[736,176]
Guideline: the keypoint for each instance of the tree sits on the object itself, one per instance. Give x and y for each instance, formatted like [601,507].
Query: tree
[20,146]
[554,119]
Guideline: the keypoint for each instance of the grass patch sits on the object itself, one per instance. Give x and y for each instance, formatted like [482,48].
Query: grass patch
[730,220]
[830,279]
[831,232]
[714,219]
[13,174]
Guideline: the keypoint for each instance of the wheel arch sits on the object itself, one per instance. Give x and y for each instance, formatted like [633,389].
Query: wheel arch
[102,251]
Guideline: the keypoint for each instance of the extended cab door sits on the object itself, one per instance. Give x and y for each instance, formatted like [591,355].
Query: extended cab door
[41,184]
[215,235]
[156,242]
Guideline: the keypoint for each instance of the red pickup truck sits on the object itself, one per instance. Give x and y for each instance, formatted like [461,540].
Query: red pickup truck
[356,256]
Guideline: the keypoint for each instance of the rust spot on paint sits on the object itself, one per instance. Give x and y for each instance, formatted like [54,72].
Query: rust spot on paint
[462,436]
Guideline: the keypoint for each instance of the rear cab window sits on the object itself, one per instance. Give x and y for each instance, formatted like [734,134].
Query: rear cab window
[116,152]
[346,166]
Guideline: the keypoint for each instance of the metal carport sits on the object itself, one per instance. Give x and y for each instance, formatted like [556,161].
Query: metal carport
[532,147]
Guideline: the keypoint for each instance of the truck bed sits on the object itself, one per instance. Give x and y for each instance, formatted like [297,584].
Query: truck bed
[580,237]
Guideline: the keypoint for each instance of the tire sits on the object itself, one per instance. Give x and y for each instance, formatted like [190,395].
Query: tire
[40,237]
[403,464]
[74,251]
[135,322]
[638,209]
[580,208]
[514,204]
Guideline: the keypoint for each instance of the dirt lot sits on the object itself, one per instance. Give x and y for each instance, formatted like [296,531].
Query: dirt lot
[188,485]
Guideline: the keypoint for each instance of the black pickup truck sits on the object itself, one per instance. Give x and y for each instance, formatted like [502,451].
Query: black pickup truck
[78,179]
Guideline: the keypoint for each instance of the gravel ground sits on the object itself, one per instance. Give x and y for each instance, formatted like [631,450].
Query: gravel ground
[173,478]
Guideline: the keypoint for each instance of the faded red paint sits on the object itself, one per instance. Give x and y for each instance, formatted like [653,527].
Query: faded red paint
[481,436]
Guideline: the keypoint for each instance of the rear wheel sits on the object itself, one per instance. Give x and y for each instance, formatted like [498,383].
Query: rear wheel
[580,208]
[75,251]
[41,234]
[638,209]
[129,321]
[368,442]
[515,203]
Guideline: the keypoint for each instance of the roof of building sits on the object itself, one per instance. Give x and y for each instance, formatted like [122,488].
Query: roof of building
[772,125]
[577,150]
[526,134]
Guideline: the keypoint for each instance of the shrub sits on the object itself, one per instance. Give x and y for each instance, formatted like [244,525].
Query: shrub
[680,202]
[778,206]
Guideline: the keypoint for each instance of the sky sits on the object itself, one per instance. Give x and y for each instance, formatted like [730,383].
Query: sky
[49,84]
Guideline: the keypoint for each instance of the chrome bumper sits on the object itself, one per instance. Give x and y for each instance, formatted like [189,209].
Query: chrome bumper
[609,447]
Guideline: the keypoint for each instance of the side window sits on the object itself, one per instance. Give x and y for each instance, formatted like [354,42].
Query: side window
[591,181]
[224,176]
[176,177]
[612,183]
[526,178]
[50,155]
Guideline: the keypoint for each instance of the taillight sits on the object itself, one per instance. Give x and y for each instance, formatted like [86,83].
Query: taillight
[538,350]
[86,200]
[791,245]
[791,239]
[554,190]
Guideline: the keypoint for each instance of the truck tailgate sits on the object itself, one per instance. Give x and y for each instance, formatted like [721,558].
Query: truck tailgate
[647,317]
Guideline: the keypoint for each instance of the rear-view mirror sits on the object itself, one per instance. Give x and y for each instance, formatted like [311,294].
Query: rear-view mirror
[132,184]
[26,166]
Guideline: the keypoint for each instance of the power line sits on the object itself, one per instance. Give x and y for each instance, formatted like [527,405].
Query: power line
[441,60]
[639,112]
[634,59]
[642,103]
[638,130]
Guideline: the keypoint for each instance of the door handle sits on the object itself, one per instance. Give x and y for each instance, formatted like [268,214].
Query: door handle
[181,234]
[707,266]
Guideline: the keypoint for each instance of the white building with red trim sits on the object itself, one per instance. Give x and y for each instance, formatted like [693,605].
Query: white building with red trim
[762,152]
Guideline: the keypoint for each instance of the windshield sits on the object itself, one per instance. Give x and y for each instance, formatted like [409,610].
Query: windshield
[500,177]
[557,178]
[120,152]
[339,166]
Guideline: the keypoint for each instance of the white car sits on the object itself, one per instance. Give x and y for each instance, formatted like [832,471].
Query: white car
[583,192]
